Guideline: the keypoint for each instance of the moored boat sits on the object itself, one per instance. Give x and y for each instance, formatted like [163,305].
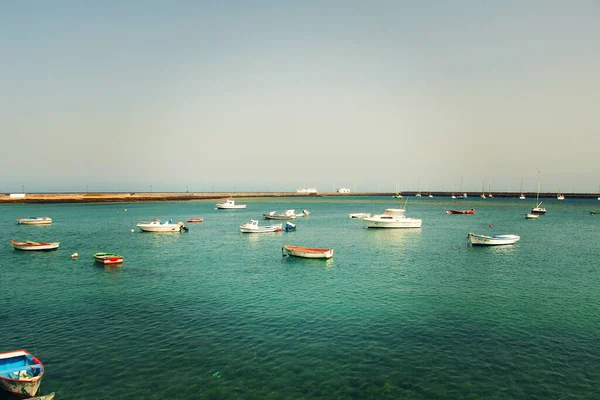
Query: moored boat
[195,219]
[253,227]
[34,246]
[34,221]
[157,225]
[288,214]
[471,211]
[108,258]
[20,373]
[289,226]
[532,216]
[229,204]
[306,252]
[496,240]
[594,212]
[392,218]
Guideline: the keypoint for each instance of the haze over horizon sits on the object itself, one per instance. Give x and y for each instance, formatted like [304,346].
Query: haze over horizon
[270,96]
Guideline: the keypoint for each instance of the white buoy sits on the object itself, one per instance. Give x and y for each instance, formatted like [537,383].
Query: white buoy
[133,230]
[125,210]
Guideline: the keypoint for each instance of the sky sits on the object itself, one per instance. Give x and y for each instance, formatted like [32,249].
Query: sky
[275,95]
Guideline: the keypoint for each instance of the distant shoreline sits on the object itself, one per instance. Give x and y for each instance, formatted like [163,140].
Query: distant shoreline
[120,197]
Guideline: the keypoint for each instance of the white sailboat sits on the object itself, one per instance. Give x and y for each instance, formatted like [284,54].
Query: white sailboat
[521,196]
[538,209]
[490,196]
[560,195]
[483,190]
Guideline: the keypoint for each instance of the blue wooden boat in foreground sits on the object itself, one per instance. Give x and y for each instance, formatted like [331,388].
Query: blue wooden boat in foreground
[20,373]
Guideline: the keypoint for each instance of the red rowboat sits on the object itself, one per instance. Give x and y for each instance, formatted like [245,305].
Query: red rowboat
[108,258]
[471,211]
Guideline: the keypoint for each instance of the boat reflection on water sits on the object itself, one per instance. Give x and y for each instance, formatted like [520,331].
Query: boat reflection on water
[386,239]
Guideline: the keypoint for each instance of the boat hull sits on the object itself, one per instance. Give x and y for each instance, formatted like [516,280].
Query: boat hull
[261,229]
[164,228]
[405,223]
[107,258]
[462,211]
[279,216]
[33,246]
[497,240]
[29,373]
[34,221]
[230,207]
[306,252]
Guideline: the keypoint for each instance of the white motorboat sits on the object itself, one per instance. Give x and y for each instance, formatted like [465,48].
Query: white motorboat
[229,205]
[288,214]
[157,225]
[496,240]
[359,215]
[253,227]
[392,218]
[532,216]
[34,221]
[34,246]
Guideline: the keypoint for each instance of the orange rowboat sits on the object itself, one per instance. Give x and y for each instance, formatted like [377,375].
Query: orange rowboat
[306,252]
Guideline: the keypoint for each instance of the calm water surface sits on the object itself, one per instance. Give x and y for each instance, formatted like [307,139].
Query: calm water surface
[213,313]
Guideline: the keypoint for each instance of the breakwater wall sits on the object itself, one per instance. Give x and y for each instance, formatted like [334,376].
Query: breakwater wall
[33,198]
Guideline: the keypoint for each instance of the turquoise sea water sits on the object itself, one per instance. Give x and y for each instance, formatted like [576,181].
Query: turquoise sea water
[214,313]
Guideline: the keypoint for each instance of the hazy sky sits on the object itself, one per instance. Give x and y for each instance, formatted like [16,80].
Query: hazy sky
[275,95]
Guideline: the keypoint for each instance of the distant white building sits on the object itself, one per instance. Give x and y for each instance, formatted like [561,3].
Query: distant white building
[17,195]
[343,190]
[307,190]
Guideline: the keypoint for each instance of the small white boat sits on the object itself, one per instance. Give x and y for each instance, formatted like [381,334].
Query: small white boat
[289,226]
[229,205]
[253,227]
[532,216]
[538,209]
[157,226]
[496,240]
[34,246]
[20,373]
[306,252]
[34,221]
[560,196]
[359,215]
[392,218]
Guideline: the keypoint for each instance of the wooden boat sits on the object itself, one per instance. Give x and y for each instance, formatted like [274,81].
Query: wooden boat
[496,240]
[196,219]
[252,227]
[306,252]
[471,211]
[108,258]
[20,373]
[34,246]
[392,218]
[229,204]
[290,226]
[34,221]
[359,215]
[157,226]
